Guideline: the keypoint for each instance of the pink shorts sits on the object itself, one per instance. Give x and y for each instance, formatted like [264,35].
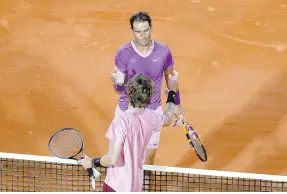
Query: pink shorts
[154,140]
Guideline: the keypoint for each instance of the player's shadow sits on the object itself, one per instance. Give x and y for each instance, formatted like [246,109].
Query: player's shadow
[277,155]
[259,117]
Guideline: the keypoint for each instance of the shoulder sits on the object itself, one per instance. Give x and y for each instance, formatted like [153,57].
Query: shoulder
[122,119]
[124,48]
[117,127]
[154,116]
[161,46]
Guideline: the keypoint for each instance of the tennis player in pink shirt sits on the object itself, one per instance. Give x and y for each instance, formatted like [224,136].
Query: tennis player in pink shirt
[129,134]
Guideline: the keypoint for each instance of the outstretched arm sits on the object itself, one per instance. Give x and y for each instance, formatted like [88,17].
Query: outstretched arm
[168,113]
[177,96]
[120,70]
[179,110]
[116,134]
[168,69]
[110,159]
[118,79]
[170,106]
[166,74]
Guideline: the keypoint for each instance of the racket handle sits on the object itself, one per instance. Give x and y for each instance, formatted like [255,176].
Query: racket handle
[90,171]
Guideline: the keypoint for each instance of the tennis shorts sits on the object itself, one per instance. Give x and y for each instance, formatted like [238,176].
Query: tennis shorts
[107,188]
[154,140]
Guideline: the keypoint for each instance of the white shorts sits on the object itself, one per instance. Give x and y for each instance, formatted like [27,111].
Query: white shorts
[154,140]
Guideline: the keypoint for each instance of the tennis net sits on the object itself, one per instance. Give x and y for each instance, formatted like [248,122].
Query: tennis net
[26,173]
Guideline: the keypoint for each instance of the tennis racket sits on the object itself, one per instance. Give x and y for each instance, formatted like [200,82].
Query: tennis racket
[191,135]
[67,143]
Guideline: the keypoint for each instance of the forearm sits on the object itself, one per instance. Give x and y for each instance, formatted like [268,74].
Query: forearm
[169,87]
[111,158]
[106,161]
[177,95]
[166,74]
[168,113]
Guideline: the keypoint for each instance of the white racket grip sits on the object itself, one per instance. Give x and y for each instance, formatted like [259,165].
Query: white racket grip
[95,176]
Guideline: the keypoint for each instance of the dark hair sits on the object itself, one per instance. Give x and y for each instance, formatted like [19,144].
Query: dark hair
[140,89]
[140,17]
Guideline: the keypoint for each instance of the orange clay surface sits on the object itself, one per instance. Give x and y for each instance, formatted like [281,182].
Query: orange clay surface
[231,56]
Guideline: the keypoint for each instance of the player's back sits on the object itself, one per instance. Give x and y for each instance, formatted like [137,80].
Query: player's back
[128,172]
[142,123]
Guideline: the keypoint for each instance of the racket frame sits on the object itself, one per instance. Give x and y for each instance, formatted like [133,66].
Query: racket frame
[187,128]
[90,170]
[71,157]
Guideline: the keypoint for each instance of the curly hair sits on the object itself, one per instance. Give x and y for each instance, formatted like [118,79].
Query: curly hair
[140,17]
[140,89]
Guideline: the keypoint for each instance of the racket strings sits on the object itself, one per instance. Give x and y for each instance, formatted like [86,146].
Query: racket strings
[66,144]
[198,147]
[196,143]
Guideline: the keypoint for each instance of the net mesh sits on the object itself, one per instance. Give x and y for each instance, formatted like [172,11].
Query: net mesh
[182,182]
[38,175]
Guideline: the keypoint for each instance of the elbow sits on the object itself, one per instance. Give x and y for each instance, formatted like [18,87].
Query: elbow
[113,161]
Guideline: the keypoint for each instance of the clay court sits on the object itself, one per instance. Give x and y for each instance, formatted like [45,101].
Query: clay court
[231,56]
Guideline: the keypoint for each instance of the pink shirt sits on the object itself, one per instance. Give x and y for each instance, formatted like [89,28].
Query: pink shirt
[132,130]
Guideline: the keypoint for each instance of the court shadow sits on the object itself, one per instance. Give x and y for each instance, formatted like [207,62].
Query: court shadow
[259,117]
[13,133]
[54,111]
[32,78]
[278,156]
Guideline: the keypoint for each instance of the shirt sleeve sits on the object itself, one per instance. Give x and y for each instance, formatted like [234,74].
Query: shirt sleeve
[169,62]
[121,61]
[117,131]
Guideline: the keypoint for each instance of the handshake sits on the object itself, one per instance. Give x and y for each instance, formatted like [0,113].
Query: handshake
[118,78]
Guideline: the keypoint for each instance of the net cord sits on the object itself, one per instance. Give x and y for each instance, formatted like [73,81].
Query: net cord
[156,168]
